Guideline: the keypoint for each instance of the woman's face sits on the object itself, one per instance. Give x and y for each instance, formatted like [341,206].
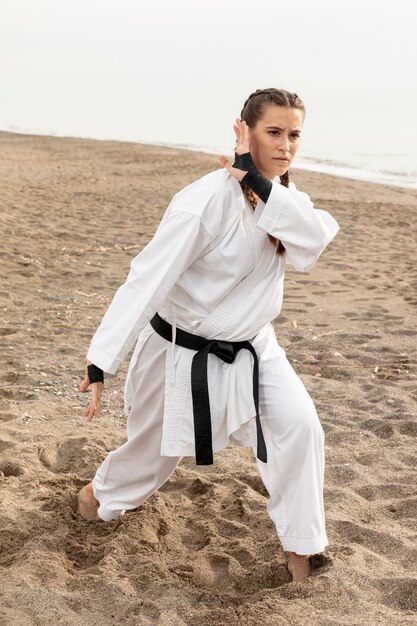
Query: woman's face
[275,136]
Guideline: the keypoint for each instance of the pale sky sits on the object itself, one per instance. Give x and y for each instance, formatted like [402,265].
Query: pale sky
[179,71]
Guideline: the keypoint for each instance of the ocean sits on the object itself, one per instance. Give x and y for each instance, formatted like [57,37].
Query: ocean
[397,169]
[372,152]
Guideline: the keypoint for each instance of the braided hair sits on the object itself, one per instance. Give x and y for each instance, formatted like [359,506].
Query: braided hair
[251,113]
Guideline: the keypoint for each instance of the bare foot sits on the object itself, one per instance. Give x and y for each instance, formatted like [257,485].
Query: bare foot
[87,503]
[299,566]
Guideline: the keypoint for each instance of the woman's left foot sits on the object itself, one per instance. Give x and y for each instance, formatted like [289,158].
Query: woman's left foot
[299,566]
[88,504]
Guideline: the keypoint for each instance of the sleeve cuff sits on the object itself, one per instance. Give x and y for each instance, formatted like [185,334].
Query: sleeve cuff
[261,219]
[103,361]
[266,214]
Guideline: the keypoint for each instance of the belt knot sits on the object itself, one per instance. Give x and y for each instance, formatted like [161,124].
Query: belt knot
[223,349]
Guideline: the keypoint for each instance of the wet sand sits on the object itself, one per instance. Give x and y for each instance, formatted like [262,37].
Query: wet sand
[202,550]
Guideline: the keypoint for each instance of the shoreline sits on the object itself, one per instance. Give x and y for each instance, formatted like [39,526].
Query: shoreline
[346,172]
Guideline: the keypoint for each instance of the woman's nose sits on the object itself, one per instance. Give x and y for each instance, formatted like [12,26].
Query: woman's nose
[284,144]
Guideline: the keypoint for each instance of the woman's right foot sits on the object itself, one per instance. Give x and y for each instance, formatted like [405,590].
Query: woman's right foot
[88,504]
[299,566]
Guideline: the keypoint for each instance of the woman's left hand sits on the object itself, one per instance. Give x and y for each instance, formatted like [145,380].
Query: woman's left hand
[242,146]
[94,407]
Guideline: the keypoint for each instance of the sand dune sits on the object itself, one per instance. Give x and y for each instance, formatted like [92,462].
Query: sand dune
[202,550]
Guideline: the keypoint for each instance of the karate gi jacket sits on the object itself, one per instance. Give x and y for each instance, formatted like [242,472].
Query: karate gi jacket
[211,270]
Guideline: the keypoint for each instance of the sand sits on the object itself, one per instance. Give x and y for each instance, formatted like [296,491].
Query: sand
[202,550]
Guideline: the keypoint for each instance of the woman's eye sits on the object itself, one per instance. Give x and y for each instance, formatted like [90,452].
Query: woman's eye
[276,132]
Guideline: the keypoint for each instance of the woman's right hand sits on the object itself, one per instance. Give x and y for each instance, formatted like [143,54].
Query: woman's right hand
[93,408]
[242,147]
[242,133]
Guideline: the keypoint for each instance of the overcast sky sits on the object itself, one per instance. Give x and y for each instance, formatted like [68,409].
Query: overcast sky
[179,70]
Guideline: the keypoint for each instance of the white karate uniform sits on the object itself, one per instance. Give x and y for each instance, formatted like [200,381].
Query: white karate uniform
[211,269]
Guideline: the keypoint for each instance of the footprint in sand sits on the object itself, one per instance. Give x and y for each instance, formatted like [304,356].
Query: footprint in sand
[407,427]
[342,474]
[398,593]
[219,565]
[200,487]
[380,428]
[10,468]
[12,540]
[410,460]
[385,491]
[368,458]
[230,528]
[17,394]
[5,445]
[197,535]
[78,455]
[239,551]
[404,509]
[254,482]
[6,416]
[374,540]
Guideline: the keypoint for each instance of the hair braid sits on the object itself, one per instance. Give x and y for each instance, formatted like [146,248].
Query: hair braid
[252,111]
[253,200]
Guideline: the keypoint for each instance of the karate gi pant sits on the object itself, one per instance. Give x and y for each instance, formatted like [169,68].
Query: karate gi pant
[293,475]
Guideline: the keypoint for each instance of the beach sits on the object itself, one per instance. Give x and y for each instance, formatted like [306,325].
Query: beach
[202,550]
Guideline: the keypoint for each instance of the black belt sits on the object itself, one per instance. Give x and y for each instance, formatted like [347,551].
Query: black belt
[227,351]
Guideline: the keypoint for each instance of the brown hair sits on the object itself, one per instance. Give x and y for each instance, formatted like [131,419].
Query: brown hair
[251,113]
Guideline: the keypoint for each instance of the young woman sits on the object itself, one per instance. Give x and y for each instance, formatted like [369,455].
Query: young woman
[207,368]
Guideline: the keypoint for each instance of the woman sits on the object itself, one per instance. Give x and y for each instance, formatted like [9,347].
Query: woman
[207,368]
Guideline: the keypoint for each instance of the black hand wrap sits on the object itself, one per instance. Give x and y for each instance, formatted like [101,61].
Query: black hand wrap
[254,179]
[95,374]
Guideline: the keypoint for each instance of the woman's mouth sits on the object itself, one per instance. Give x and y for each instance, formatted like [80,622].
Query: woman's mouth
[281,159]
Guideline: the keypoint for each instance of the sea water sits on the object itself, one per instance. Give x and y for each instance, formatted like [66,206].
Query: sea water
[372,146]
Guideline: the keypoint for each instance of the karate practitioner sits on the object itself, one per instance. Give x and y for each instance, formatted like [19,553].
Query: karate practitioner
[207,368]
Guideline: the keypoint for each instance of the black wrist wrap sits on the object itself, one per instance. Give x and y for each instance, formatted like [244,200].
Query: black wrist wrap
[254,179]
[95,374]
